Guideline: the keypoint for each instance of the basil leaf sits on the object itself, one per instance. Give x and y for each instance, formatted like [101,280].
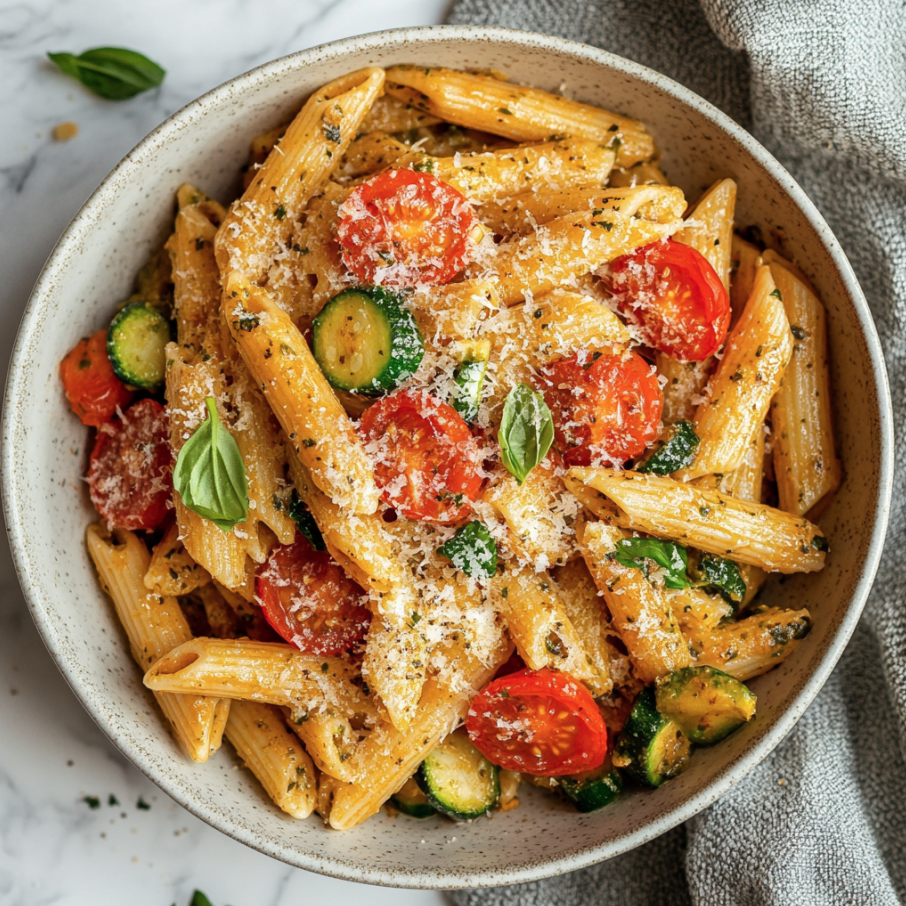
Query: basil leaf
[648,554]
[719,575]
[113,73]
[526,431]
[473,550]
[675,453]
[305,522]
[210,474]
[199,899]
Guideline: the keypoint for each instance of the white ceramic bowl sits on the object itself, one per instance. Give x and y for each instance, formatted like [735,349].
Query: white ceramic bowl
[44,455]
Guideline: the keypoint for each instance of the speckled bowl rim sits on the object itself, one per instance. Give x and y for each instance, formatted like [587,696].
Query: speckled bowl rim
[584,855]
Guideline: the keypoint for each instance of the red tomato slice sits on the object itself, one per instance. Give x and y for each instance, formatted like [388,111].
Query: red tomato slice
[671,292]
[541,722]
[403,228]
[426,459]
[130,476]
[310,601]
[93,390]
[605,409]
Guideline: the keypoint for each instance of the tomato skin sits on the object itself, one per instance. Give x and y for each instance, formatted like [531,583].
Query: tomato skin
[427,461]
[403,228]
[130,477]
[309,601]
[673,295]
[539,722]
[605,410]
[93,390]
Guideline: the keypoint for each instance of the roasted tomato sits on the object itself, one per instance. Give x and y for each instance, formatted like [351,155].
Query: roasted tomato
[310,601]
[426,460]
[538,722]
[606,406]
[671,292]
[93,390]
[130,477]
[404,228]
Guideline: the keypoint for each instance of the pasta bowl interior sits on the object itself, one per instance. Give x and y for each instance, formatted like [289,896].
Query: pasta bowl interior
[44,458]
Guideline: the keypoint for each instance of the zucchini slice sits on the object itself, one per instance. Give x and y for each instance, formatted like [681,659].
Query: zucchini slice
[651,747]
[469,378]
[135,345]
[706,703]
[593,789]
[366,341]
[458,780]
[411,801]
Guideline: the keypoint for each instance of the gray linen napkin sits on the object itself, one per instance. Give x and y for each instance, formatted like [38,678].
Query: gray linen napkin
[822,84]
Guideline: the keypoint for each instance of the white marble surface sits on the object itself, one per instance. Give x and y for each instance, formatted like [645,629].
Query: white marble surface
[53,847]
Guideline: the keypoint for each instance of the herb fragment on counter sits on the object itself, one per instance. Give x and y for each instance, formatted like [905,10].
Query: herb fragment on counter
[142,805]
[113,73]
[199,899]
[92,802]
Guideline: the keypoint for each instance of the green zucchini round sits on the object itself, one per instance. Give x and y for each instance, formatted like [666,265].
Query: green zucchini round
[458,780]
[593,789]
[135,345]
[366,341]
[411,801]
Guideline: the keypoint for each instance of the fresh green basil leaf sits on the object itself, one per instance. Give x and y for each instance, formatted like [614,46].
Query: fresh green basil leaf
[676,452]
[305,522]
[210,475]
[472,550]
[199,899]
[113,73]
[649,554]
[526,431]
[717,574]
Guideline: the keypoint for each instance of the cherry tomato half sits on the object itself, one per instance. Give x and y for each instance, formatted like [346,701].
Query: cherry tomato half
[426,459]
[402,228]
[541,722]
[671,292]
[93,390]
[310,601]
[130,477]
[605,409]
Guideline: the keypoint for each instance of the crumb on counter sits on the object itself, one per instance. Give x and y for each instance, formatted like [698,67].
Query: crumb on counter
[65,131]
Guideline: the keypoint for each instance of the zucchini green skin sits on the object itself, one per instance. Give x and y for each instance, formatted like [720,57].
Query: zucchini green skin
[595,789]
[706,703]
[677,452]
[458,780]
[469,381]
[135,345]
[366,341]
[651,748]
[411,801]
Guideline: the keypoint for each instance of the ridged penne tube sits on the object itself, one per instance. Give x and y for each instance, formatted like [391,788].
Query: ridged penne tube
[391,115]
[745,261]
[683,386]
[555,166]
[697,611]
[514,111]
[585,609]
[274,756]
[266,672]
[740,530]
[259,225]
[753,645]
[171,570]
[566,321]
[330,741]
[154,626]
[566,248]
[806,466]
[640,612]
[298,393]
[710,230]
[521,213]
[389,757]
[756,354]
[538,624]
[646,173]
[369,153]
[454,311]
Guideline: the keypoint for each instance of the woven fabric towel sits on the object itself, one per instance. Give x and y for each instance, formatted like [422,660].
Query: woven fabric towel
[822,84]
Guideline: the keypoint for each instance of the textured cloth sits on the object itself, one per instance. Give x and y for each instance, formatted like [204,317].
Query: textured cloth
[823,86]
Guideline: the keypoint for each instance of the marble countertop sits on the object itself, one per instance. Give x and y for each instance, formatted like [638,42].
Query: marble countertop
[135,846]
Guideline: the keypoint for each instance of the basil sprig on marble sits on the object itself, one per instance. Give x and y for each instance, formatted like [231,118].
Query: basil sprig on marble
[113,73]
[210,475]
[526,431]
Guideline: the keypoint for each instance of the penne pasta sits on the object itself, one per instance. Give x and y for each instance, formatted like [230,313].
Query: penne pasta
[712,522]
[171,570]
[331,742]
[369,153]
[746,259]
[647,173]
[388,114]
[566,321]
[514,111]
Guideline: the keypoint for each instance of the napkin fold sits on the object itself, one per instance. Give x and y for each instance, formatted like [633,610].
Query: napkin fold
[822,85]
